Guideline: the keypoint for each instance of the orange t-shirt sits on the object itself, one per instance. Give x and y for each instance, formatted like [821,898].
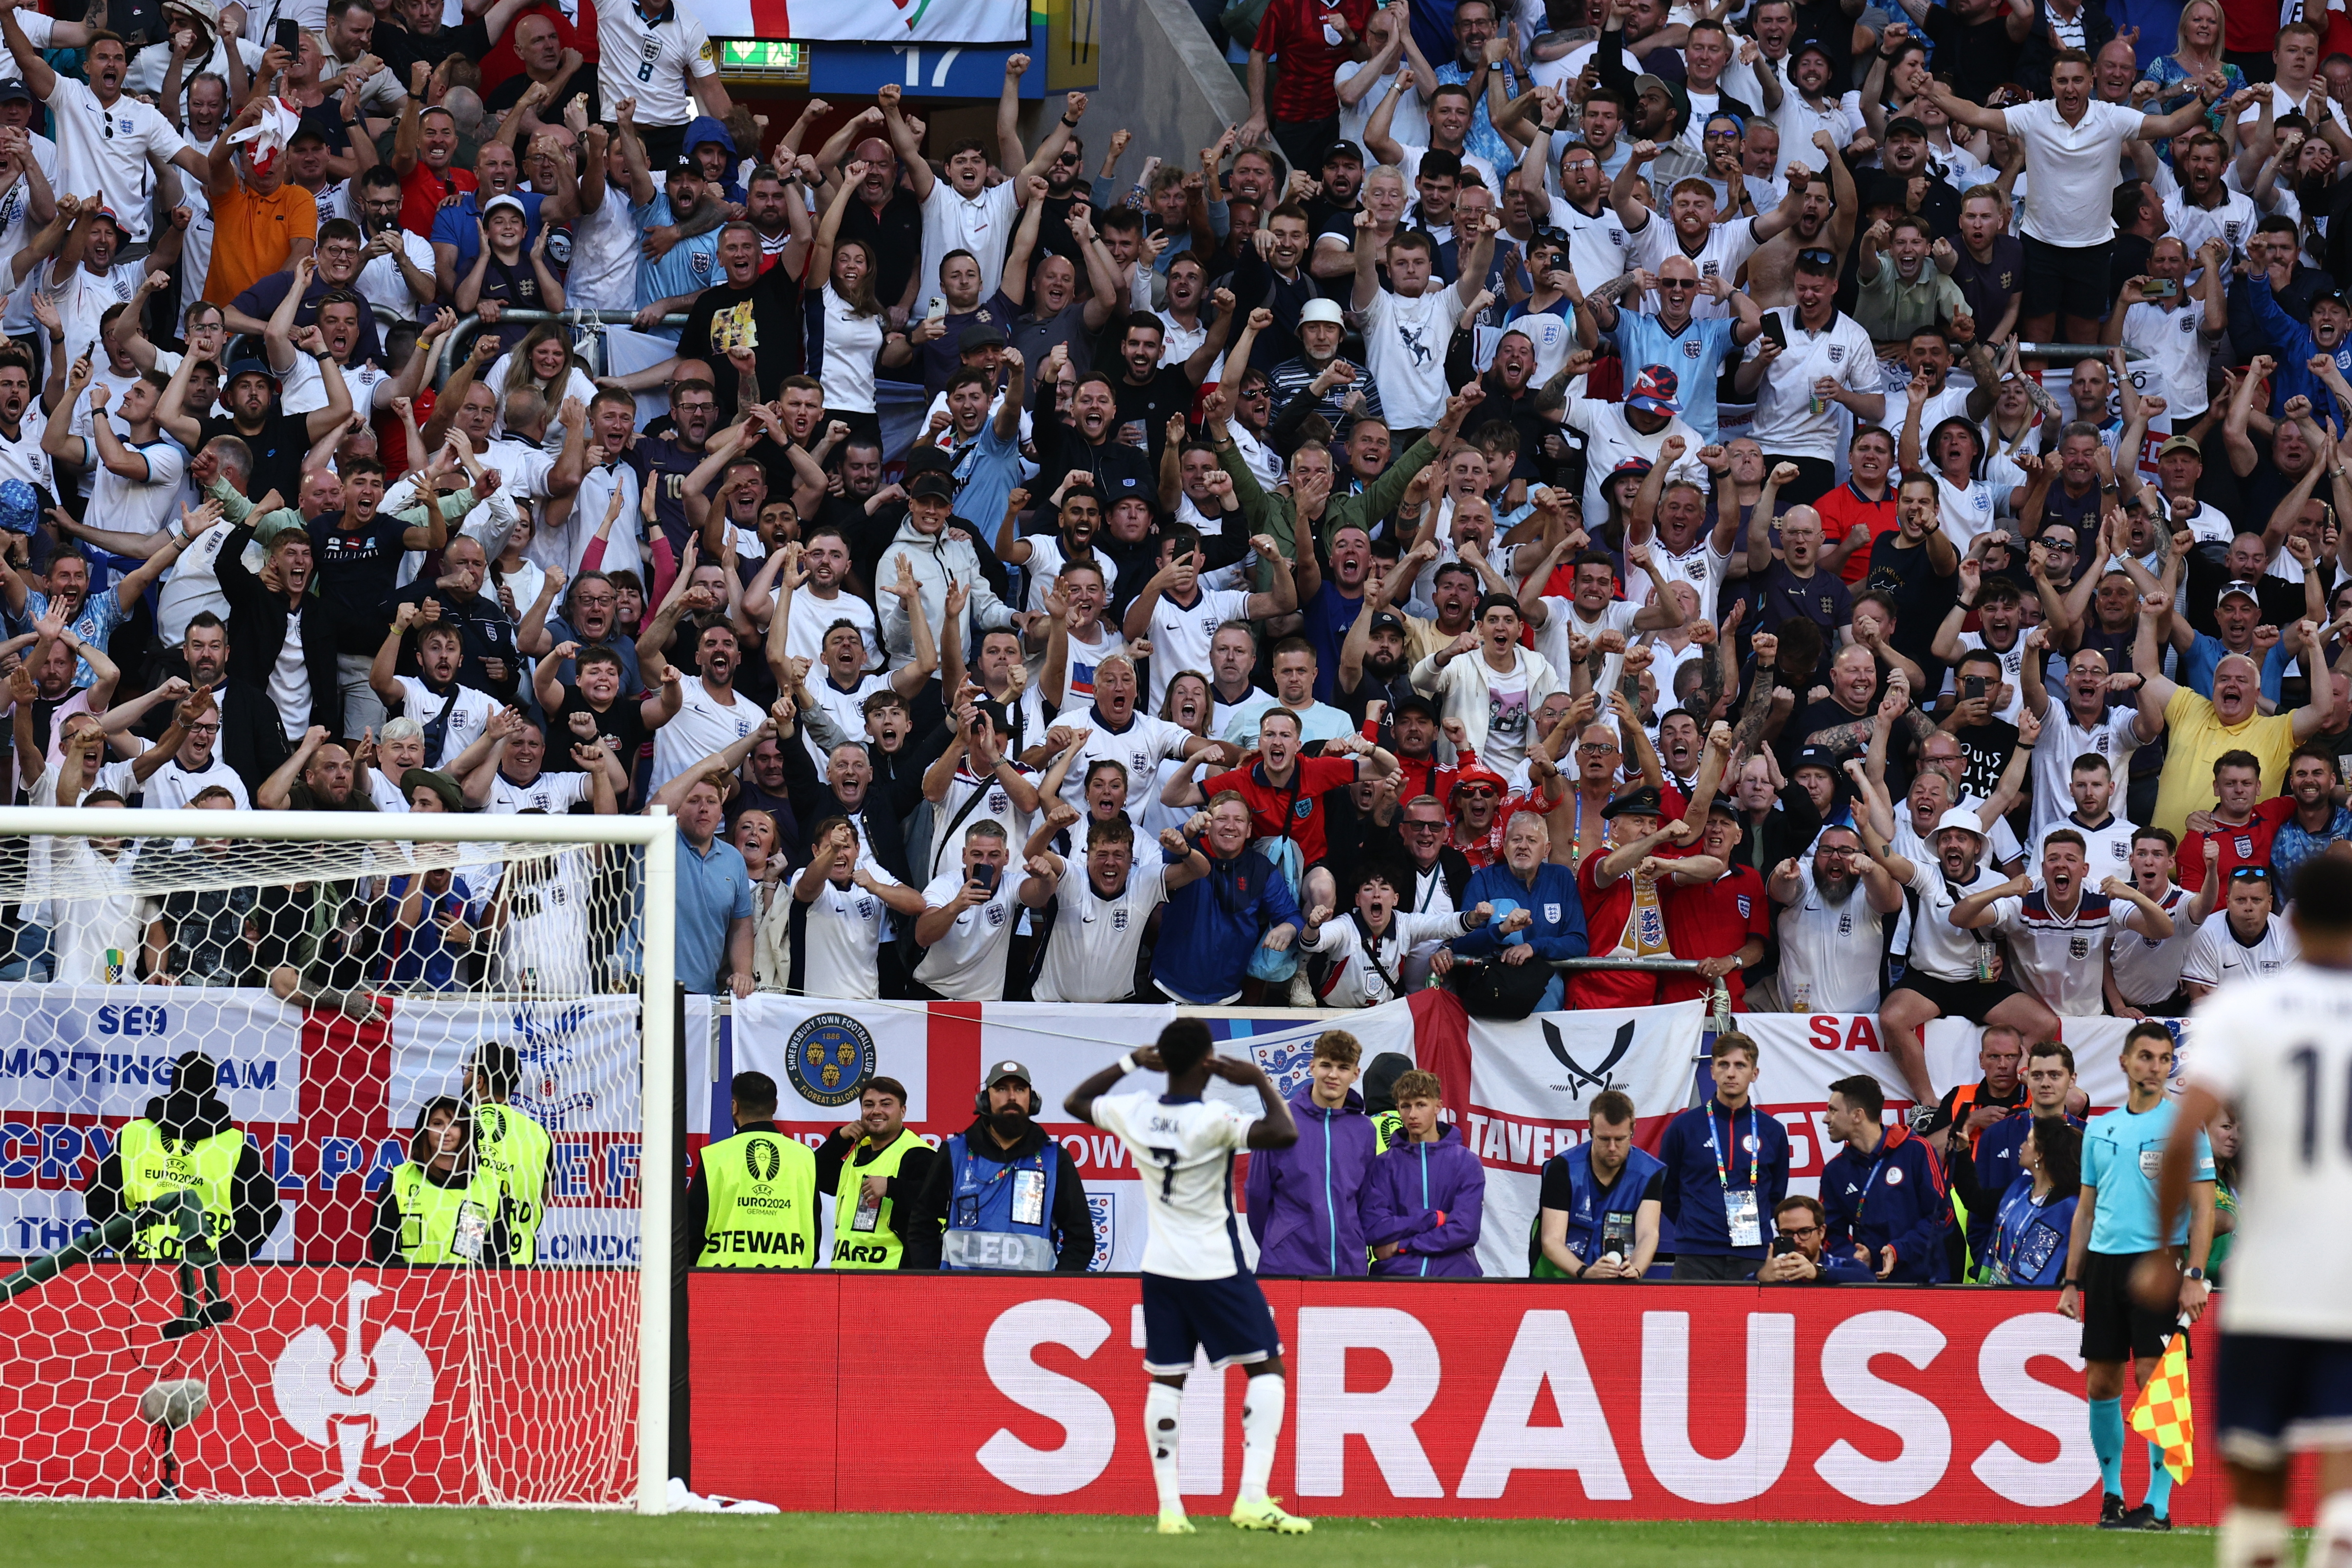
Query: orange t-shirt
[253,237]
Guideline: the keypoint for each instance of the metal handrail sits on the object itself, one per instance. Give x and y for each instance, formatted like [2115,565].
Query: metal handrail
[445,360]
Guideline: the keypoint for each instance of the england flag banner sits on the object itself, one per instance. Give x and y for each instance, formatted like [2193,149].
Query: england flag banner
[1521,1091]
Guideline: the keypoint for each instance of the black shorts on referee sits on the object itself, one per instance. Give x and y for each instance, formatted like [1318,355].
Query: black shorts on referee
[2115,1327]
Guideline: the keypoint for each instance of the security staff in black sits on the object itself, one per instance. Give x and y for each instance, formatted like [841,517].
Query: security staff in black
[753,1197]
[187,1140]
[1005,1135]
[873,1167]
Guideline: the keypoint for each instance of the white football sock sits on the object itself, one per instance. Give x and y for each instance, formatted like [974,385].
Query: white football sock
[2253,1538]
[2331,1536]
[1262,1398]
[1163,1411]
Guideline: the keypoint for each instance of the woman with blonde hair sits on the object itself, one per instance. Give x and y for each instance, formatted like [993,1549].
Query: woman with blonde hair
[2197,48]
[544,361]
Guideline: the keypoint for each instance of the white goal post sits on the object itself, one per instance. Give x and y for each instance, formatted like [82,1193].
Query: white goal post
[387,842]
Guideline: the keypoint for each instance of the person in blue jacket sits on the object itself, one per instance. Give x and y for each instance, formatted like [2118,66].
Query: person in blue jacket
[1979,1185]
[1305,1201]
[1517,977]
[1727,1171]
[1423,1208]
[2036,1216]
[1885,1193]
[1209,928]
[1597,1218]
[2294,344]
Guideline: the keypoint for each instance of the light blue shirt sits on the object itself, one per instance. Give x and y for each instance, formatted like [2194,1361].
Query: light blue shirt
[1695,355]
[1320,723]
[102,611]
[714,889]
[2121,1151]
[688,267]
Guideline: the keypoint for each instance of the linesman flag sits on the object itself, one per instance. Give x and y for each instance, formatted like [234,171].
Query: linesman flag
[2162,1415]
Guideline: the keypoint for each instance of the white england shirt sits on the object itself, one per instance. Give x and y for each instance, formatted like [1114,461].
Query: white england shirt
[1185,1149]
[2216,956]
[2278,1049]
[1090,954]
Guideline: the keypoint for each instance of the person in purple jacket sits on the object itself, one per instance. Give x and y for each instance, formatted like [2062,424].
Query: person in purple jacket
[1427,1193]
[1305,1201]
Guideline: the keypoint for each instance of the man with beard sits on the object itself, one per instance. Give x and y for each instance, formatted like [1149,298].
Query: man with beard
[1951,971]
[277,440]
[461,597]
[560,74]
[962,211]
[453,713]
[1273,275]
[1678,333]
[1090,441]
[1043,556]
[662,464]
[2057,934]
[1375,660]
[965,1192]
[1829,362]
[1830,943]
[1180,616]
[2318,821]
[668,284]
[845,793]
[1111,730]
[811,584]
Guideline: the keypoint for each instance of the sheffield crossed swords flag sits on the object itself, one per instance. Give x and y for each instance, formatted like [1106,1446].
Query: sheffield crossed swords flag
[2162,1415]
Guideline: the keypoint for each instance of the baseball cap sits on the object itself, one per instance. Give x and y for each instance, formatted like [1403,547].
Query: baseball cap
[1322,311]
[1412,700]
[1000,1071]
[1820,757]
[1642,802]
[249,366]
[1645,81]
[508,202]
[2181,444]
[990,708]
[1903,125]
[975,338]
[1386,621]
[1632,466]
[15,91]
[1341,151]
[1814,47]
[1721,807]
[1655,390]
[932,482]
[2253,596]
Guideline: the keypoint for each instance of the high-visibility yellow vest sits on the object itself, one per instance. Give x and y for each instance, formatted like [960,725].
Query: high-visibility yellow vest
[517,1148]
[446,1224]
[153,1165]
[861,1236]
[763,1190]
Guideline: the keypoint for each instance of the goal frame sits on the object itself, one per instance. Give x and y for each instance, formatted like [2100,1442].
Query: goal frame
[657,833]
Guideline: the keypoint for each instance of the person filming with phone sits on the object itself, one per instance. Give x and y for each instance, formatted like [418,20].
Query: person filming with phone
[969,915]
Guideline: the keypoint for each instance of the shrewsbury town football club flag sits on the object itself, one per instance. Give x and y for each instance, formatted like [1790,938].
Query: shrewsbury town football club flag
[2162,1415]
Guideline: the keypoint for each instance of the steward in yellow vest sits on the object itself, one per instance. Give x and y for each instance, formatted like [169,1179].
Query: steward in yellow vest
[873,1167]
[512,1146]
[752,1201]
[187,1139]
[443,1205]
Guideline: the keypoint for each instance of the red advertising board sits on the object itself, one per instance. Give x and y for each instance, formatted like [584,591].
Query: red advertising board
[1487,1399]
[332,1383]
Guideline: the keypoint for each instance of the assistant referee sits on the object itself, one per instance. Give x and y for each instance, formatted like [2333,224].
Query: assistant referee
[2114,1226]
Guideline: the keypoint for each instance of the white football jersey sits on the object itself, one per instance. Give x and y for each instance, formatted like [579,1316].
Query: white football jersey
[2279,1047]
[1184,1150]
[2216,956]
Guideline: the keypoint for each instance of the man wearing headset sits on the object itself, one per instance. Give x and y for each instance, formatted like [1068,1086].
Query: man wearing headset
[1004,1194]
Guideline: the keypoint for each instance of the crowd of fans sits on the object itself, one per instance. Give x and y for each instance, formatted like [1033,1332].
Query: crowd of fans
[1622,492]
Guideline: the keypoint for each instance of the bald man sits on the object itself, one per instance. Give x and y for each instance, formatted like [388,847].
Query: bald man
[2202,730]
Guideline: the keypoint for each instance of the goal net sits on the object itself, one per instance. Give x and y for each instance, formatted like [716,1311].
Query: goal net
[420,1086]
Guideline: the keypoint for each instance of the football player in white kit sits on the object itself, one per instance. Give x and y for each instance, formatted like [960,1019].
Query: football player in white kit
[1200,1288]
[2278,1049]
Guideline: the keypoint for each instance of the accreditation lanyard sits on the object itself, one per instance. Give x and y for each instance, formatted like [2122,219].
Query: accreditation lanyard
[1731,1130]
[1870,1180]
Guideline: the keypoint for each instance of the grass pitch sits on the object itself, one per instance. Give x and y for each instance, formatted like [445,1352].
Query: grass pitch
[118,1535]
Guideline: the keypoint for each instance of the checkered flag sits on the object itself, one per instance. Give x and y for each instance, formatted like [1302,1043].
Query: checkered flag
[2162,1415]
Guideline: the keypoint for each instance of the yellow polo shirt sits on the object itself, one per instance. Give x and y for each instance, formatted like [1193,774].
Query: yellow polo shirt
[2196,738]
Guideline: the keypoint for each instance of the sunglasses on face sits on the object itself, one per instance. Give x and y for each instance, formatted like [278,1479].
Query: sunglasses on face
[1677,283]
[1477,792]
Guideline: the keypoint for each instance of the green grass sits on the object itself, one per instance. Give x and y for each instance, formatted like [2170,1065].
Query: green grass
[114,1535]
